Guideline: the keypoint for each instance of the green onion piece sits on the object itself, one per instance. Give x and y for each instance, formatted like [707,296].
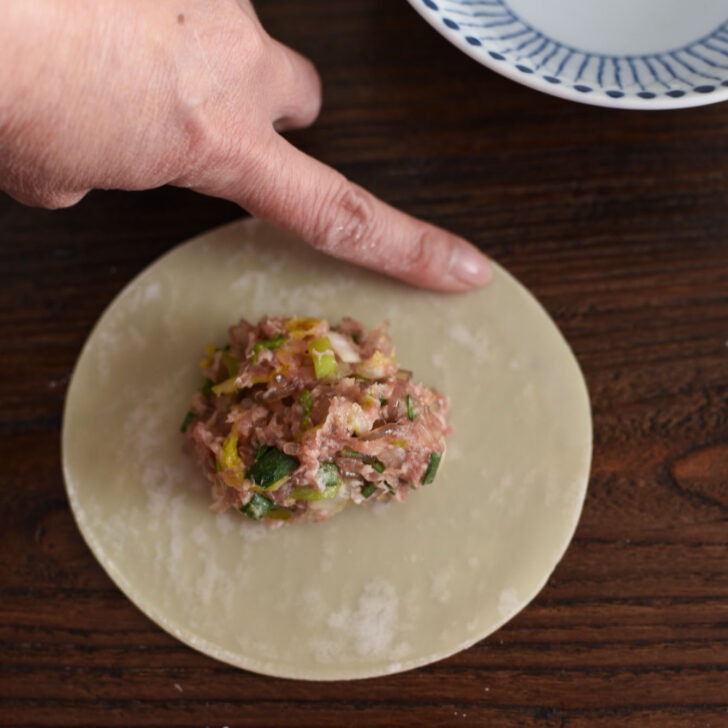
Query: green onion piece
[262,450]
[348,452]
[324,359]
[367,489]
[271,465]
[306,401]
[227,386]
[187,421]
[231,363]
[207,387]
[257,507]
[432,466]
[383,401]
[328,475]
[409,402]
[279,514]
[311,494]
[274,342]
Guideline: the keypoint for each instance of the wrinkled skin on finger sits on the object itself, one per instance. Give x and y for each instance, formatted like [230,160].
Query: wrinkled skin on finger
[132,95]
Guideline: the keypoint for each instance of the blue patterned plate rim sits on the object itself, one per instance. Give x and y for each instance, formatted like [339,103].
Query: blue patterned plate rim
[691,75]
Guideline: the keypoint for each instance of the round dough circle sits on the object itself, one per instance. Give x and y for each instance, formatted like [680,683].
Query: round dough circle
[379,588]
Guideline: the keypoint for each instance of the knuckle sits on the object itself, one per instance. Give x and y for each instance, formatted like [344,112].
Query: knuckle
[217,119]
[198,140]
[207,148]
[345,221]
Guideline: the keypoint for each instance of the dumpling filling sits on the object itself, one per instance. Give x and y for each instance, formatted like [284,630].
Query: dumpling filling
[297,419]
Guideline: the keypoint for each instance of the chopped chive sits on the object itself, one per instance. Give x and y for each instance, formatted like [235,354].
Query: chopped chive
[271,466]
[306,401]
[328,475]
[187,421]
[207,387]
[231,363]
[348,452]
[274,342]
[257,507]
[262,450]
[383,401]
[279,514]
[409,402]
[432,466]
[368,489]
[311,494]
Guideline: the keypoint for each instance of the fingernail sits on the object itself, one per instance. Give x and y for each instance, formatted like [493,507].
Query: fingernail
[469,265]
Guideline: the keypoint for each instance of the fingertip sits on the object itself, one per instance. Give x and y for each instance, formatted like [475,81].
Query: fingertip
[339,218]
[468,266]
[428,256]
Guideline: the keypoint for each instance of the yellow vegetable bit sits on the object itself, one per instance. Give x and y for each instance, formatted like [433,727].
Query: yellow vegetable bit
[310,494]
[230,462]
[262,378]
[207,360]
[300,327]
[231,363]
[270,488]
[375,367]
[324,359]
[225,387]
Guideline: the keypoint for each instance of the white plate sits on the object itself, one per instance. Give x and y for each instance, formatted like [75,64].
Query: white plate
[634,54]
[376,589]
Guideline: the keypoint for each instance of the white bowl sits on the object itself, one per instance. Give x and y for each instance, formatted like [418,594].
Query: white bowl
[633,54]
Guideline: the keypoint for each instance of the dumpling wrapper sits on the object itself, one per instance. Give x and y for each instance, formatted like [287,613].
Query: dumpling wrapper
[378,588]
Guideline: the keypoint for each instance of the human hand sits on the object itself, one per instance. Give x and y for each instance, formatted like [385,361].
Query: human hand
[128,94]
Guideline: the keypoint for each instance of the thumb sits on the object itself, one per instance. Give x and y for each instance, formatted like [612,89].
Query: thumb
[309,199]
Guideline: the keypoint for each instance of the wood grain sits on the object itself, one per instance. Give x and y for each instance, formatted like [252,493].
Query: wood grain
[617,221]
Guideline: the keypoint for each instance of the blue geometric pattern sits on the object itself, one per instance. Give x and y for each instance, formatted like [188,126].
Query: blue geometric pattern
[496,35]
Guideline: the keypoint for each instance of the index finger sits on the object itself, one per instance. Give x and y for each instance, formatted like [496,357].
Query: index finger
[311,200]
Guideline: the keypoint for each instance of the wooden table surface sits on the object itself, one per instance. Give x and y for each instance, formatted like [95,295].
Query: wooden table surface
[617,221]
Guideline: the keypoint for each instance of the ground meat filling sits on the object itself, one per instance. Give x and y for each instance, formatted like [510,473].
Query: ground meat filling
[298,419]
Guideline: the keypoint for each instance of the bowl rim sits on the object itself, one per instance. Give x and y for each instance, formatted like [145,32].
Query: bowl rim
[592,95]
